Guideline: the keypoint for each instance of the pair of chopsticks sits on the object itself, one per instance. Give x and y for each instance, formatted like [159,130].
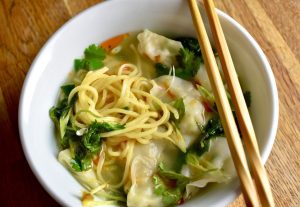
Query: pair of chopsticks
[263,190]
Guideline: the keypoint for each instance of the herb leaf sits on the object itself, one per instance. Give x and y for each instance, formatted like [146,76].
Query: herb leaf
[91,138]
[191,44]
[93,59]
[180,179]
[170,185]
[169,196]
[61,114]
[197,162]
[213,128]
[189,62]
[80,165]
[209,96]
[80,64]
[64,119]
[66,89]
[161,69]
[188,65]
[179,105]
[84,147]
[94,51]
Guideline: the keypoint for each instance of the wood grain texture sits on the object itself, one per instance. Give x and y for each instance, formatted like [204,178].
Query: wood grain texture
[26,25]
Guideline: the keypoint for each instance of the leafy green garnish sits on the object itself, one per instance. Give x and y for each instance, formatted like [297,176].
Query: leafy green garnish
[179,105]
[84,147]
[93,59]
[206,94]
[213,128]
[162,69]
[170,196]
[66,89]
[191,44]
[170,185]
[180,179]
[188,65]
[80,165]
[64,119]
[91,138]
[196,161]
[61,114]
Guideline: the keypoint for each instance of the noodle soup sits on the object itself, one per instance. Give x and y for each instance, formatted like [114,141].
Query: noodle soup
[137,123]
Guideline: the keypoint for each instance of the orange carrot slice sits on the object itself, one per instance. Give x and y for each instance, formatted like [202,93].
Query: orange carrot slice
[113,42]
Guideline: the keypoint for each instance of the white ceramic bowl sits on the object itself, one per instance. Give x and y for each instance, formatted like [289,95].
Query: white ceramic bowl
[105,20]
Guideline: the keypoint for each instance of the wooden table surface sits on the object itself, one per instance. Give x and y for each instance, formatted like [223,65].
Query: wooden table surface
[25,25]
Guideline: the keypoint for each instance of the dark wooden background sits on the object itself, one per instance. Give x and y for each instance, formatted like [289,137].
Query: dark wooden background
[25,25]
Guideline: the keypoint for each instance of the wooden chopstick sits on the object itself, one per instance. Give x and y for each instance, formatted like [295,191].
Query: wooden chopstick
[244,120]
[227,119]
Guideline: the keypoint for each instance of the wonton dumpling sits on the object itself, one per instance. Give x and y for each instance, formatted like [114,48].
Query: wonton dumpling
[220,161]
[143,167]
[171,88]
[158,48]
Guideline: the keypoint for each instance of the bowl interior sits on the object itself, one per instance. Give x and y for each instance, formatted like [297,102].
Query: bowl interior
[99,23]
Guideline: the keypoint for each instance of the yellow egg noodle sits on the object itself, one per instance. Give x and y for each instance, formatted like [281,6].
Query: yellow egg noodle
[123,98]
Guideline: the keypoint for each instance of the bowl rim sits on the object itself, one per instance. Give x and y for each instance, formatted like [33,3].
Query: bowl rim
[224,16]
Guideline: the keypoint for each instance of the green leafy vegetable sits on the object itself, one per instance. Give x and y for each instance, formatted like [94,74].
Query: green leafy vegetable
[206,94]
[179,105]
[189,63]
[191,44]
[170,185]
[61,114]
[93,59]
[82,158]
[63,120]
[170,196]
[203,146]
[180,179]
[84,147]
[66,89]
[162,69]
[187,67]
[198,162]
[91,138]
[213,128]
[80,165]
